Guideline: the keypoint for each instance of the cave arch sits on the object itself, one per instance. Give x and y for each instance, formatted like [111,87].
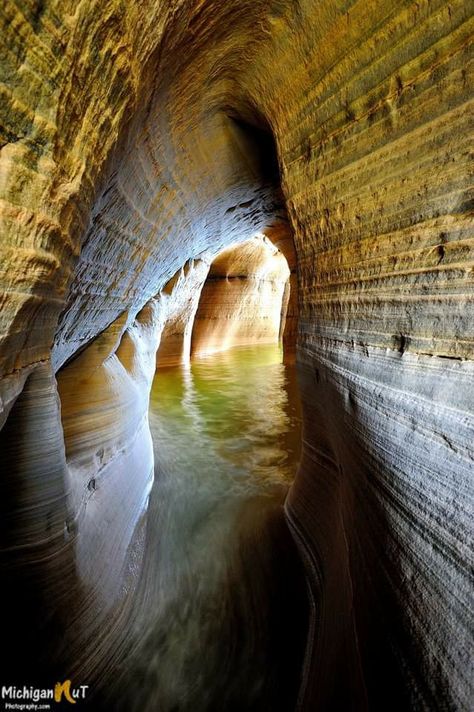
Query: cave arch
[244,300]
[121,162]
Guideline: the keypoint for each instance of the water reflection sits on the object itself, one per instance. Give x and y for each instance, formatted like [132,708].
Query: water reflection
[220,616]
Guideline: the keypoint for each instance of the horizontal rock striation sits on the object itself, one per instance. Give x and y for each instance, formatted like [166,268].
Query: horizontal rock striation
[241,302]
[395,575]
[138,137]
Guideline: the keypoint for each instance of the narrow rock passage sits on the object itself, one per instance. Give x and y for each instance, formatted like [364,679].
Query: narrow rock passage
[221,612]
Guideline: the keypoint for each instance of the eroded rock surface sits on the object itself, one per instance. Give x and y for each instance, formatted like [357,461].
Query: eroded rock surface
[181,295]
[241,302]
[138,136]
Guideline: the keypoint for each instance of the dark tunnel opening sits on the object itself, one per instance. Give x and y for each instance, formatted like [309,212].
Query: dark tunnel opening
[155,542]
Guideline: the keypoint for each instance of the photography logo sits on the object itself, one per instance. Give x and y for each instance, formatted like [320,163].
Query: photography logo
[34,698]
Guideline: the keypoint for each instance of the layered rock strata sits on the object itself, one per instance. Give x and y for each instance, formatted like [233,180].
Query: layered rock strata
[241,302]
[182,295]
[137,137]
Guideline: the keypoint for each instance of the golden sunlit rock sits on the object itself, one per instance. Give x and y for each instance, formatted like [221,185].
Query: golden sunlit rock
[142,145]
[241,301]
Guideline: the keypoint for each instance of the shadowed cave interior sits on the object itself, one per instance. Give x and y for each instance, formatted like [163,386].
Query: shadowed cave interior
[236,354]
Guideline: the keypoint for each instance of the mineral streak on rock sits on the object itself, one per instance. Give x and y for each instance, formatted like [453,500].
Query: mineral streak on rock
[138,136]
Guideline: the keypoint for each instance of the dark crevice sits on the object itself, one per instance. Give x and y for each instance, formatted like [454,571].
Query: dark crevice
[261,147]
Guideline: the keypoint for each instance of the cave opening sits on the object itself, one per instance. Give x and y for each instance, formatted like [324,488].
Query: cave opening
[226,615]
[225,420]
[244,300]
[241,298]
[181,444]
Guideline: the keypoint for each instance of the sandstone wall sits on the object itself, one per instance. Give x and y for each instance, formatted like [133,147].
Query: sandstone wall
[133,140]
[182,294]
[242,299]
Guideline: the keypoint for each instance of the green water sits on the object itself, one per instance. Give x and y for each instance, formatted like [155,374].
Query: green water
[240,406]
[221,610]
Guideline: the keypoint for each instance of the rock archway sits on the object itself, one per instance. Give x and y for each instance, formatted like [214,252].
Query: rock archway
[241,303]
[135,140]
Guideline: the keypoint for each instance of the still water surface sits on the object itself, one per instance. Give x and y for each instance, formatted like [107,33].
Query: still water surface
[221,612]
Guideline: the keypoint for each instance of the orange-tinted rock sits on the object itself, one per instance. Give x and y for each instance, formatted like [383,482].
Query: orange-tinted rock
[122,159]
[241,301]
[181,297]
